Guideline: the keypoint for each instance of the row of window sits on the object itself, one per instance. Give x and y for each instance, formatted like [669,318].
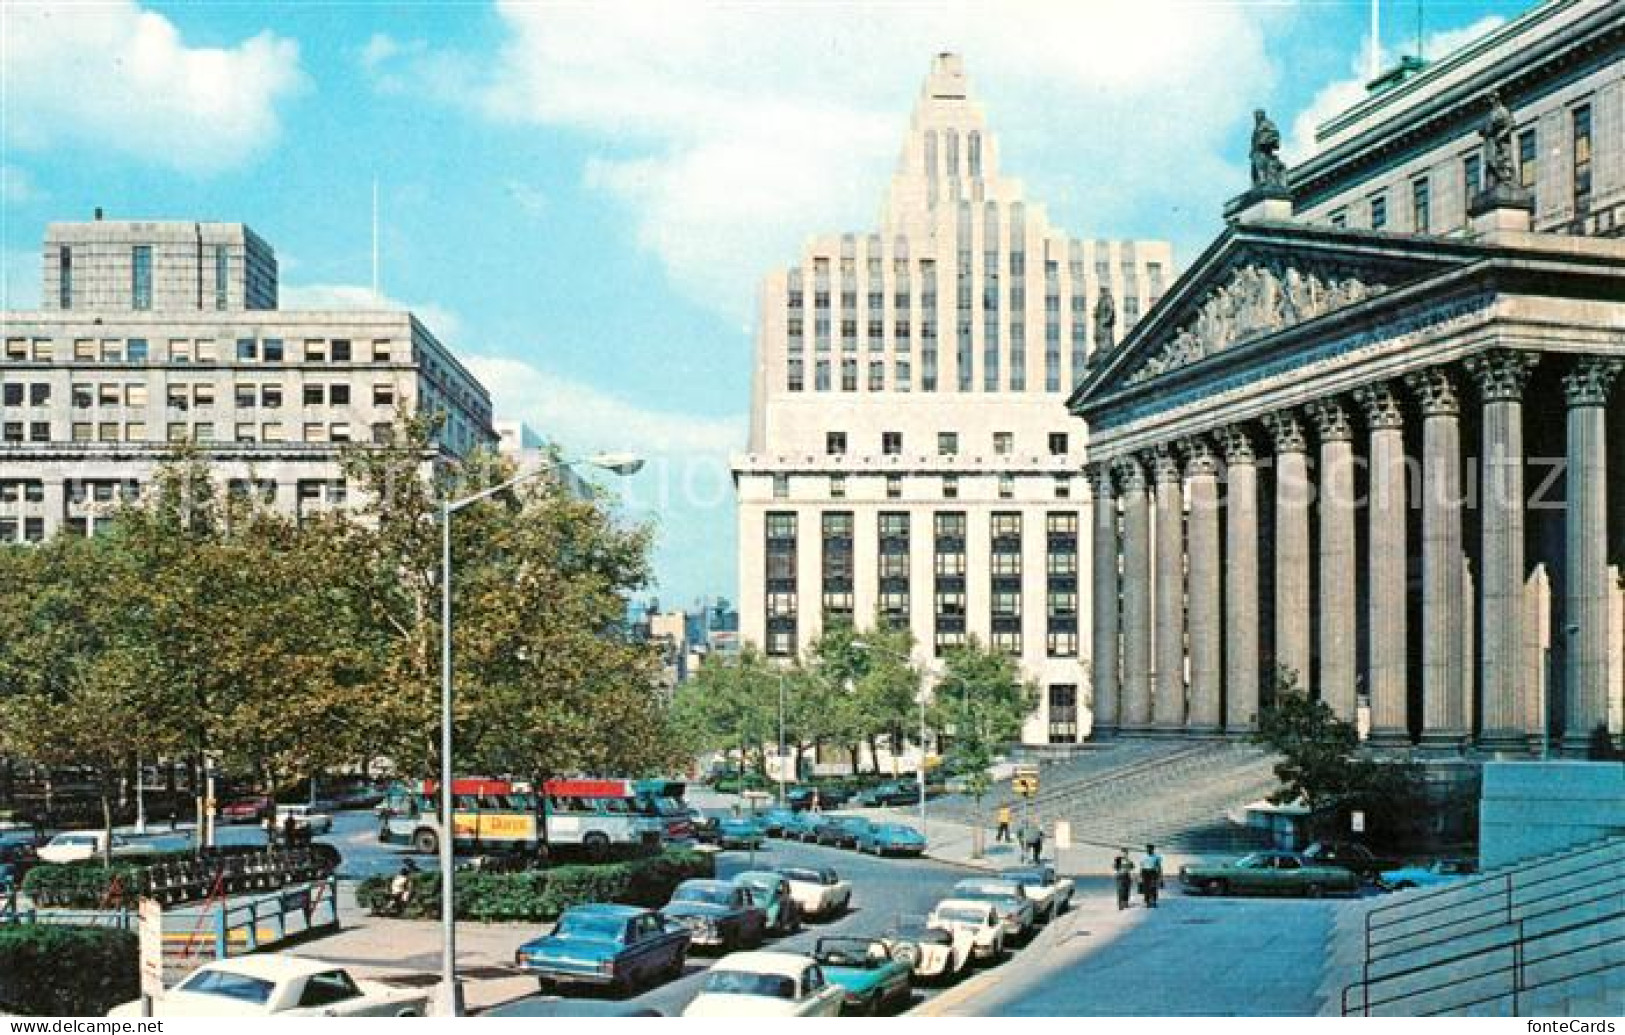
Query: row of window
[197,350]
[198,431]
[1472,178]
[891,443]
[948,486]
[140,276]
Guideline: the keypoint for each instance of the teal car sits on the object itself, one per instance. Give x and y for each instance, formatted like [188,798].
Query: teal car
[890,839]
[611,946]
[803,826]
[739,832]
[872,981]
[771,892]
[773,820]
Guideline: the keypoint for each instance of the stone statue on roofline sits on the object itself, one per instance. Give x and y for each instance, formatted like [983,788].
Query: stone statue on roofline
[1496,134]
[1268,169]
[1105,320]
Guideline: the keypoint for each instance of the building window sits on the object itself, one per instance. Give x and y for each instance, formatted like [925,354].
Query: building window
[141,277]
[948,591]
[877,375]
[1340,218]
[1581,124]
[341,351]
[1419,205]
[220,276]
[837,486]
[947,443]
[381,351]
[781,584]
[383,395]
[1063,713]
[1007,486]
[1527,156]
[894,486]
[796,375]
[1004,443]
[64,289]
[1057,443]
[891,443]
[1472,177]
[272,350]
[314,395]
[1379,211]
[781,486]
[835,443]
[838,568]
[950,486]
[821,375]
[247,350]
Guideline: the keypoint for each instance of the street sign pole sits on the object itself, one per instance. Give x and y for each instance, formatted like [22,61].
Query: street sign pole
[150,937]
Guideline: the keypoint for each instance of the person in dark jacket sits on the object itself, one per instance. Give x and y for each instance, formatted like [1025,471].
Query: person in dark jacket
[1150,876]
[1123,871]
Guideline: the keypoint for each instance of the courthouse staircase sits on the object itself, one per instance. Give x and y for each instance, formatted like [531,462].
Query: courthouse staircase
[1544,937]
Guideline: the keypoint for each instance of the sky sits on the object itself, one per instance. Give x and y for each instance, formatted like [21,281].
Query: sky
[582,198]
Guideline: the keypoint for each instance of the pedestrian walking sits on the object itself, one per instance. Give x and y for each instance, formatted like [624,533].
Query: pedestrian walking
[290,831]
[1003,833]
[1150,876]
[1024,836]
[269,823]
[1038,842]
[1123,871]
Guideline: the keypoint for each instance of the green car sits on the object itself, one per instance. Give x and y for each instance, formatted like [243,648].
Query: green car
[864,968]
[1276,873]
[771,892]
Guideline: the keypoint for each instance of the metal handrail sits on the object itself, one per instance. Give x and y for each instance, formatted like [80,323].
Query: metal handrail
[1497,910]
[1517,943]
[1518,988]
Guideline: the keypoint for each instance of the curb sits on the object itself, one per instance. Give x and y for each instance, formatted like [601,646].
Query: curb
[974,987]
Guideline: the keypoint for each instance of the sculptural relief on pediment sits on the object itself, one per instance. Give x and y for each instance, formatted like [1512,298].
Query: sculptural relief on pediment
[1258,299]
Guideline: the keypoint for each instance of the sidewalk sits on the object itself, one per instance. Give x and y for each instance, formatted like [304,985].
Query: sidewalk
[953,842]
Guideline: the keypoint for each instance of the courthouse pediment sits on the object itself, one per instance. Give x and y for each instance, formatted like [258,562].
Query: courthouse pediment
[1260,280]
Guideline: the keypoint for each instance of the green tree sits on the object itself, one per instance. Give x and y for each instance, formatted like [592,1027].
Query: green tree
[979,705]
[732,704]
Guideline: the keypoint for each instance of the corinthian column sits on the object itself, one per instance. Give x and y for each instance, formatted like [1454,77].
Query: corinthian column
[1501,376]
[1291,544]
[1444,704]
[1103,652]
[1136,679]
[1386,565]
[1240,581]
[1168,705]
[1585,600]
[1338,646]
[1206,650]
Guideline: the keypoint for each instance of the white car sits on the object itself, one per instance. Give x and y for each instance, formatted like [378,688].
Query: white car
[766,984]
[287,986]
[80,845]
[975,917]
[1015,909]
[1051,894]
[933,953]
[304,818]
[817,891]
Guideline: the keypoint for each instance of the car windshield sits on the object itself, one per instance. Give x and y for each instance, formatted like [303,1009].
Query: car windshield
[229,985]
[1253,862]
[739,982]
[962,915]
[767,885]
[894,829]
[825,877]
[850,952]
[587,925]
[703,893]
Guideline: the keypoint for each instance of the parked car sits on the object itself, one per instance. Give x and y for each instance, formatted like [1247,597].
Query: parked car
[288,986]
[305,819]
[900,793]
[932,953]
[978,918]
[803,827]
[17,857]
[716,914]
[840,831]
[556,1006]
[1268,872]
[890,839]
[1015,909]
[705,825]
[818,891]
[801,798]
[739,832]
[773,820]
[1350,856]
[80,845]
[1439,871]
[1051,893]
[250,809]
[771,892]
[864,967]
[615,946]
[766,984]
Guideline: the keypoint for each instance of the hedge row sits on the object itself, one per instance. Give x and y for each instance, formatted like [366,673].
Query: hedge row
[541,895]
[90,885]
[47,970]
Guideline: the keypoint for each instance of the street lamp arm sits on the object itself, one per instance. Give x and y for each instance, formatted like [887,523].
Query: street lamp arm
[615,463]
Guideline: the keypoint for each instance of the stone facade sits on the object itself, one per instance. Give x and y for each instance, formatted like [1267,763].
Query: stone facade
[910,455]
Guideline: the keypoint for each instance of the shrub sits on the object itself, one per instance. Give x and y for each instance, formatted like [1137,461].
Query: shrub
[541,895]
[84,885]
[51,970]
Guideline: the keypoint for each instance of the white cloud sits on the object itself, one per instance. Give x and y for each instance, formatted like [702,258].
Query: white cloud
[1343,94]
[115,76]
[444,323]
[733,132]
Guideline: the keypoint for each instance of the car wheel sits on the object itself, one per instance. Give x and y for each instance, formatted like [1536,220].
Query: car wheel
[1314,891]
[597,846]
[674,969]
[426,842]
[1216,887]
[1405,885]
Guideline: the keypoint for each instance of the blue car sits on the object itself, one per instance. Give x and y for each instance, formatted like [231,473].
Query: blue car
[774,820]
[890,839]
[802,826]
[1440,871]
[617,947]
[739,832]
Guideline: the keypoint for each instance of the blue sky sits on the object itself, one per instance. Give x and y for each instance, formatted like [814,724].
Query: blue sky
[581,198]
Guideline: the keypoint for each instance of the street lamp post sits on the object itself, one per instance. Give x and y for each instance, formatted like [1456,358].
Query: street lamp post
[451,992]
[864,645]
[781,740]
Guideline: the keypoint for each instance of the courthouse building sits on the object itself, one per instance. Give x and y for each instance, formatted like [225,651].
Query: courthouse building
[1373,434]
[156,333]
[911,459]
